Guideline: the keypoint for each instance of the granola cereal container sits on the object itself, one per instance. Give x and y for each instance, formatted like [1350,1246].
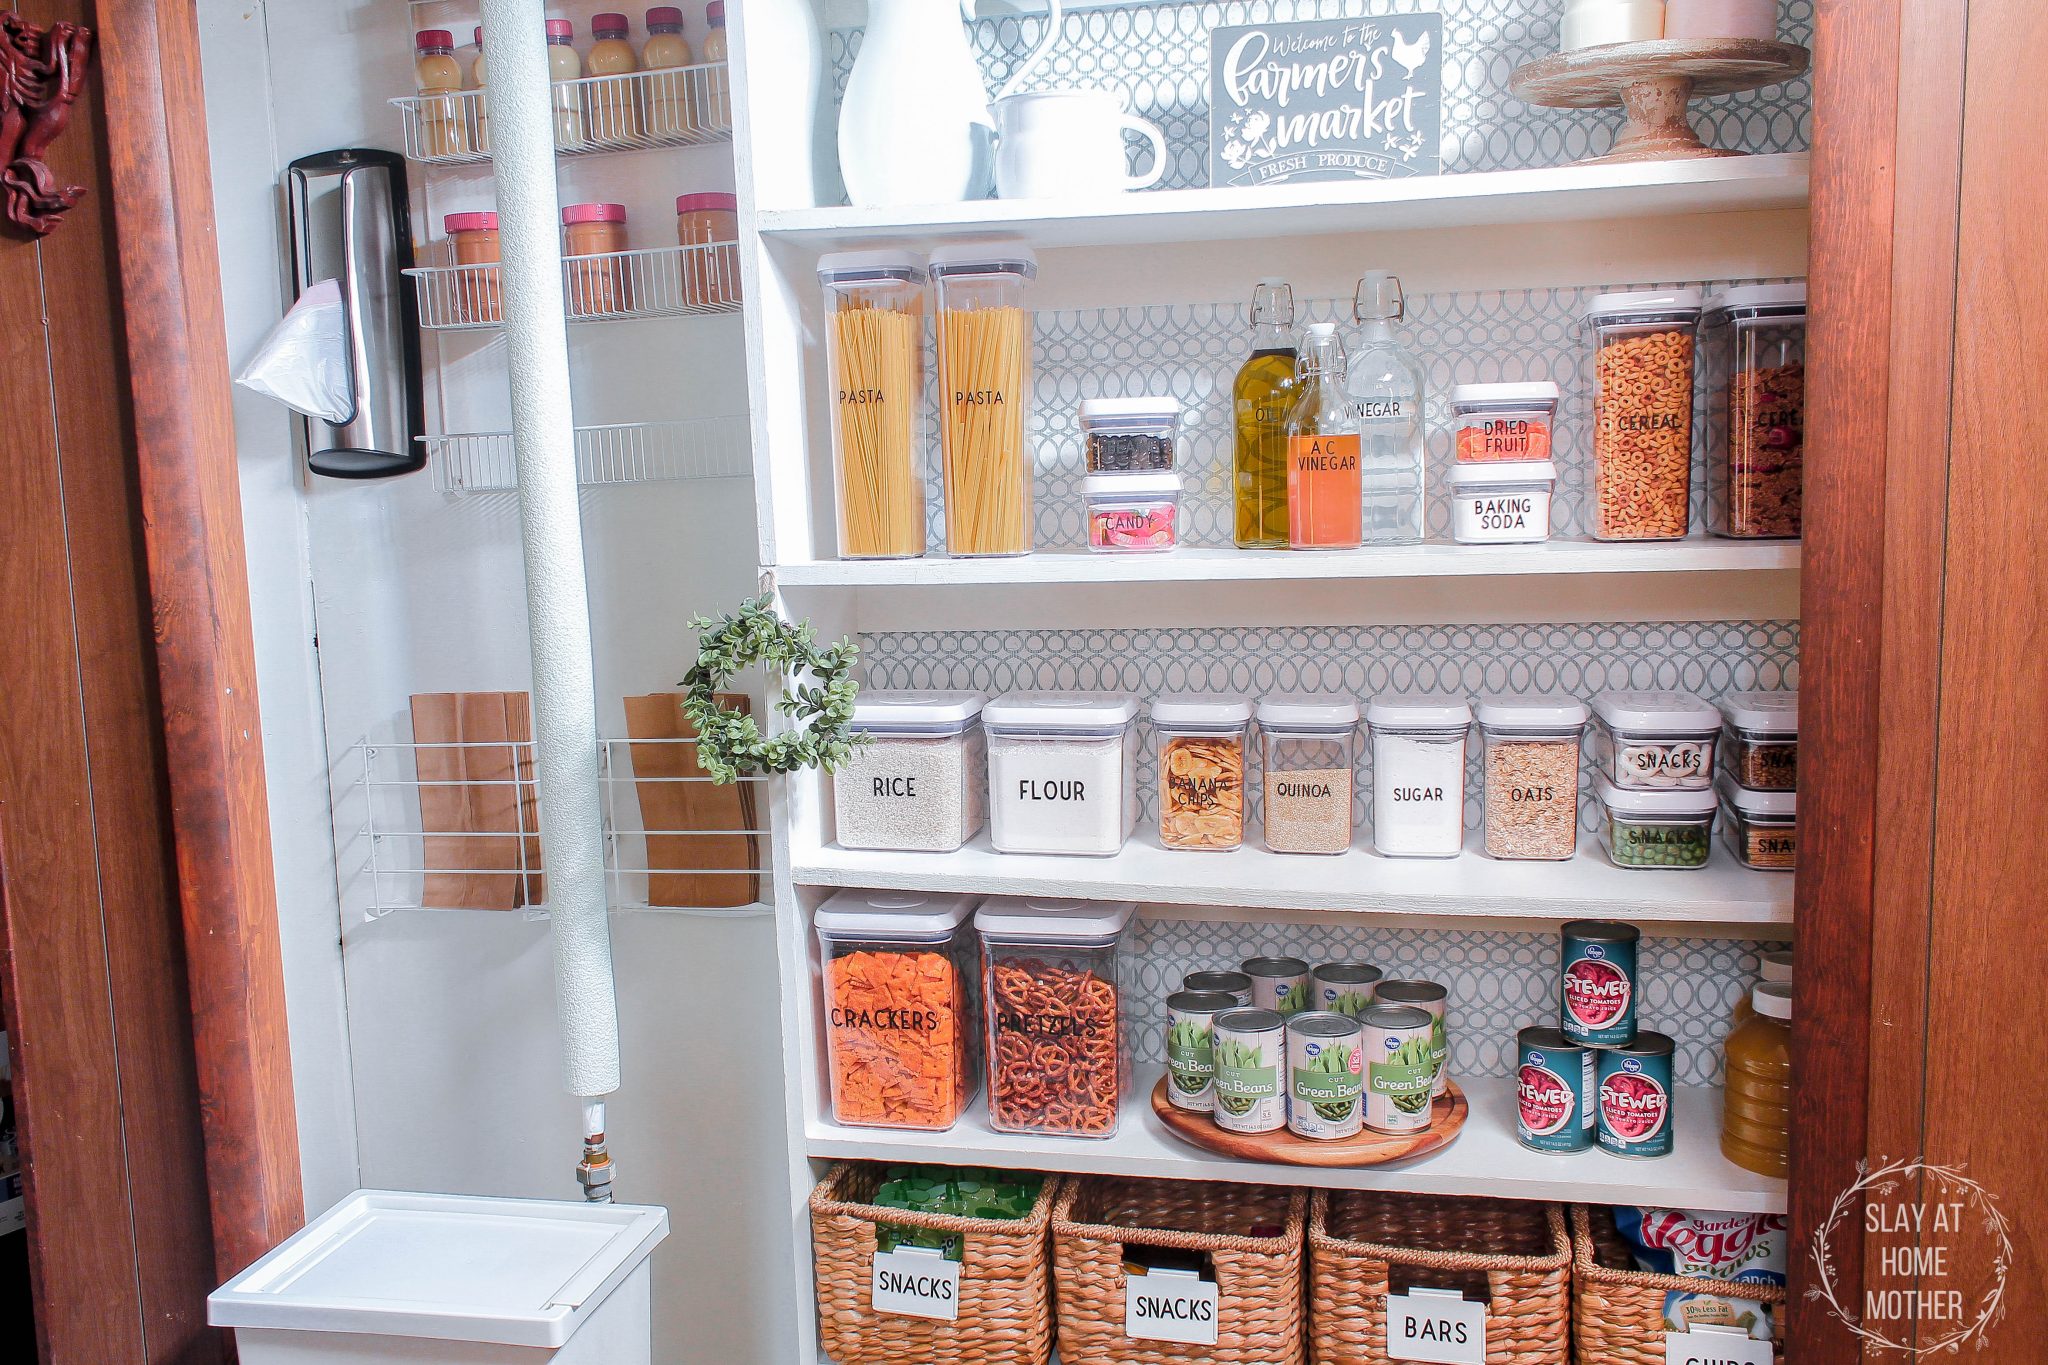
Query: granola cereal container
[1049,987]
[1643,355]
[1754,369]
[1531,775]
[1760,739]
[1201,769]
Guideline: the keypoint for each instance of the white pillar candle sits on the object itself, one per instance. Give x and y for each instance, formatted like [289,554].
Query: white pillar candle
[1721,19]
[1594,23]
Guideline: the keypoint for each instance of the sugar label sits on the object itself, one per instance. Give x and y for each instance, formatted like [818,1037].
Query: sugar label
[1170,1305]
[1436,1325]
[915,1282]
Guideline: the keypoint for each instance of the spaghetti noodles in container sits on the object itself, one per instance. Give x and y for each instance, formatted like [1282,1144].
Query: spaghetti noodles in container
[984,336]
[874,354]
[1055,1044]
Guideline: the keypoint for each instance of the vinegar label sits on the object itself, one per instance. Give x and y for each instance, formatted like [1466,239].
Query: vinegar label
[1325,500]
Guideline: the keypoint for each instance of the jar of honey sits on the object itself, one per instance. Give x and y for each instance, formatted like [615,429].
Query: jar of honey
[1756,1117]
[596,287]
[474,239]
[708,225]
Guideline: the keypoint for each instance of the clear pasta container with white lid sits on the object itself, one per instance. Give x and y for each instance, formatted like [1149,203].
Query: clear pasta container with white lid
[874,361]
[1655,740]
[1501,504]
[1761,827]
[1760,739]
[1309,746]
[1668,828]
[918,780]
[984,395]
[1530,774]
[1504,422]
[1418,773]
[1062,771]
[1202,769]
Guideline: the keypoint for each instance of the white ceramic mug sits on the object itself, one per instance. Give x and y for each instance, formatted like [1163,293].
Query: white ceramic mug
[1064,143]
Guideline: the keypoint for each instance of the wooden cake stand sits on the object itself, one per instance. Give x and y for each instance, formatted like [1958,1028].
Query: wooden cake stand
[1654,82]
[1447,1117]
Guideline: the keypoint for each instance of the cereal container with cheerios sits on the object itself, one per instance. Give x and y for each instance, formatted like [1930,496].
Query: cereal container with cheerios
[1049,992]
[1643,355]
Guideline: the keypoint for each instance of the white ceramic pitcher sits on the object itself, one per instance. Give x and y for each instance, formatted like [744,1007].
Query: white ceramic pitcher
[1069,143]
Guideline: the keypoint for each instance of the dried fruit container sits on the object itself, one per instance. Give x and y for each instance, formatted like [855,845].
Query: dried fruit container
[1132,513]
[1504,423]
[1062,771]
[1670,829]
[1762,828]
[1655,740]
[1201,769]
[1530,768]
[900,1042]
[1760,739]
[919,784]
[1643,358]
[1049,987]
[1755,374]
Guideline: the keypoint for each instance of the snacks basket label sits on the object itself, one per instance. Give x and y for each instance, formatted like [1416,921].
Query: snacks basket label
[1170,1305]
[915,1282]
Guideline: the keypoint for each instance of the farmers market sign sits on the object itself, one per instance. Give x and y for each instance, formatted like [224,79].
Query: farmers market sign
[1325,99]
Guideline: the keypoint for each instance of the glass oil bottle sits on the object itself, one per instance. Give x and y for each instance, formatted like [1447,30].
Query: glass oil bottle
[1264,395]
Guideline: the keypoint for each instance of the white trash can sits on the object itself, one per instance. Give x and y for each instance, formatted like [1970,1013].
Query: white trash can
[385,1277]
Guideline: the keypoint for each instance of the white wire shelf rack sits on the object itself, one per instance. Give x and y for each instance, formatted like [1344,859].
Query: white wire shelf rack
[678,106]
[624,452]
[456,827]
[655,282]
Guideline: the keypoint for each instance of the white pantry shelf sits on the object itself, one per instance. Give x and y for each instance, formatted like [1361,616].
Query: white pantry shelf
[1213,565]
[1486,1159]
[1560,194]
[1722,894]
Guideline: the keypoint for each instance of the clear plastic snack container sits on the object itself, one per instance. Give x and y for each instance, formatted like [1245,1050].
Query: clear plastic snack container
[1655,829]
[1130,435]
[1655,740]
[1202,769]
[874,362]
[1132,513]
[1308,745]
[1754,369]
[1761,827]
[898,976]
[1760,739]
[1505,423]
[920,782]
[1529,767]
[1643,363]
[1049,980]
[1062,771]
[1418,773]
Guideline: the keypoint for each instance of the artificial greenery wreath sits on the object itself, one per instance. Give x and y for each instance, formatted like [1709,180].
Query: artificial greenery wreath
[729,743]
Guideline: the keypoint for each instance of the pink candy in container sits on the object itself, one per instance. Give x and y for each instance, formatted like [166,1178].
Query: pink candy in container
[1132,513]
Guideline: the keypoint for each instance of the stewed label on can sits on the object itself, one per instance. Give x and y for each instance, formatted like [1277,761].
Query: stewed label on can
[1634,1096]
[1325,1075]
[1234,984]
[1554,1089]
[1250,1047]
[1279,984]
[1434,998]
[1343,987]
[1597,988]
[1398,1068]
[1190,1047]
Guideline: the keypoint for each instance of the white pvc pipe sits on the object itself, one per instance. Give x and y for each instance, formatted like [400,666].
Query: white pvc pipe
[551,535]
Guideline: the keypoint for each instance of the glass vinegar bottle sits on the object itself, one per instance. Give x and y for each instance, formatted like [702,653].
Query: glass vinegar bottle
[1263,396]
[1322,451]
[1385,386]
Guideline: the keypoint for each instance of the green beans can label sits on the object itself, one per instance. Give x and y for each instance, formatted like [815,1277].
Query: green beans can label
[1248,1066]
[1399,1073]
[1326,1083]
[1635,1104]
[1190,1059]
[1554,1091]
[1598,991]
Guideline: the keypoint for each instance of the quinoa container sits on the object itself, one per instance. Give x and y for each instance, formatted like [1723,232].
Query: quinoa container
[1529,766]
[1062,771]
[1201,770]
[1433,999]
[1418,774]
[1325,1075]
[1507,423]
[1760,739]
[1633,1096]
[1132,513]
[1251,1058]
[1554,1092]
[1309,745]
[1398,1071]
[897,971]
[1669,829]
[1280,984]
[1762,828]
[1234,984]
[1130,435]
[1056,1060]
[1643,358]
[1754,369]
[920,782]
[1502,504]
[1655,740]
[1343,987]
[1190,1047]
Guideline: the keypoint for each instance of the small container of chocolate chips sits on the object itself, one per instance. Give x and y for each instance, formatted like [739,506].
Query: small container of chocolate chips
[1130,435]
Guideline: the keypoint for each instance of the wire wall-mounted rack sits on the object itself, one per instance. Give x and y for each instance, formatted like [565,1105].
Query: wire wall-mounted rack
[624,452]
[656,282]
[637,111]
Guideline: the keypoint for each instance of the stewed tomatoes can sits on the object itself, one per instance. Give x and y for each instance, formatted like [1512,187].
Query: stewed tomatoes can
[1634,1096]
[1554,1091]
[1597,984]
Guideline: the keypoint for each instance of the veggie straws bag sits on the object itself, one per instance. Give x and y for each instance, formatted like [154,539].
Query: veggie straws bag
[1005,1291]
[1618,1312]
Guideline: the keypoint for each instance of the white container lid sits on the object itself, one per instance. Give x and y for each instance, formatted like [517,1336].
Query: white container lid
[859,267]
[1533,394]
[1763,713]
[1775,965]
[984,258]
[1200,711]
[1756,804]
[1655,713]
[1760,298]
[907,710]
[1048,919]
[1531,711]
[892,914]
[1079,711]
[1629,801]
[1419,711]
[1146,411]
[1654,303]
[1148,486]
[1503,473]
[1308,711]
[450,1267]
[1772,999]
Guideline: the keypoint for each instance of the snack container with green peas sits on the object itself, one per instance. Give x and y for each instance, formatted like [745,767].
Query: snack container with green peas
[1400,1068]
[1325,1075]
[1668,829]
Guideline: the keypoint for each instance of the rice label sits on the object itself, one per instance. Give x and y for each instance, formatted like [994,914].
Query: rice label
[915,1282]
[1170,1305]
[1436,1325]
[1715,1346]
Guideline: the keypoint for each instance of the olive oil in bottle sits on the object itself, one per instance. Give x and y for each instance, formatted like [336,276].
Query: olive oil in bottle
[1264,394]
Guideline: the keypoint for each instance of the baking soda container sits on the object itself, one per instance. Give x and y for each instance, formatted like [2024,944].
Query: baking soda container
[1325,1075]
[1431,998]
[1234,984]
[1344,987]
[1250,1050]
[1190,1047]
[1554,1089]
[1398,1069]
[1634,1096]
[1279,984]
[1597,987]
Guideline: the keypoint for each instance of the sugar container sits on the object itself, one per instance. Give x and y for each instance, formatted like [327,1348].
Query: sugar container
[1418,774]
[920,782]
[1056,1060]
[1062,771]
[1655,740]
[1308,741]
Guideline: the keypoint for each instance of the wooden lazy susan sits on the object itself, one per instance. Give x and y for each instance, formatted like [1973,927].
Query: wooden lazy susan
[1447,1117]
[1655,82]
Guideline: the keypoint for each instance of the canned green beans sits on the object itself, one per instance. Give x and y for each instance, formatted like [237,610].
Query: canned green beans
[1234,984]
[1190,1048]
[1398,1069]
[1250,1047]
[1432,997]
[1325,1075]
[1597,988]
[1344,987]
[1554,1082]
[1279,984]
[1635,1096]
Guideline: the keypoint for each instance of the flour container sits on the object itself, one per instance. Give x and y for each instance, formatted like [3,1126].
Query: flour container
[1062,771]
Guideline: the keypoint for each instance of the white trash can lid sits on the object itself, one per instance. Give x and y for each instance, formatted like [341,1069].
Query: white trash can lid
[509,1272]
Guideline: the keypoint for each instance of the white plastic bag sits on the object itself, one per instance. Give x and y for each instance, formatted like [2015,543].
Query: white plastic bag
[303,363]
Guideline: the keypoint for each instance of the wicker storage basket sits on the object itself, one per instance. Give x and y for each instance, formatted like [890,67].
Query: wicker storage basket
[1358,1238]
[1618,1311]
[1005,1288]
[1258,1279]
